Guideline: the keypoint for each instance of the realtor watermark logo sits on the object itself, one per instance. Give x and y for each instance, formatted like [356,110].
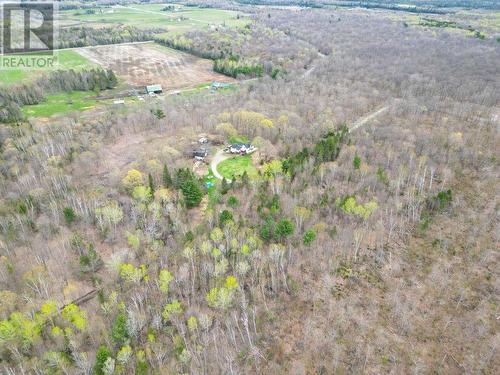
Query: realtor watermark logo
[28,35]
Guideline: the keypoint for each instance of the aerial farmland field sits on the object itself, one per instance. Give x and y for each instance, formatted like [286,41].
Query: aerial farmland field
[181,19]
[148,63]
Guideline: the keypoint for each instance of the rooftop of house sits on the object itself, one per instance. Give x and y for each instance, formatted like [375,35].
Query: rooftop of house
[241,145]
[200,152]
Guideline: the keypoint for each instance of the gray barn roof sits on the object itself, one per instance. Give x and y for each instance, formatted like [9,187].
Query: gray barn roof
[153,88]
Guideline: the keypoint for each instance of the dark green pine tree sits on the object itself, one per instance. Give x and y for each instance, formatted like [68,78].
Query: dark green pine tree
[224,188]
[357,162]
[119,331]
[112,80]
[284,228]
[244,179]
[103,353]
[192,193]
[167,178]
[151,183]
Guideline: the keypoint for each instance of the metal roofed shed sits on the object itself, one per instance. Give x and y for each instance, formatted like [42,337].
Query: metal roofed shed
[200,154]
[154,89]
[219,85]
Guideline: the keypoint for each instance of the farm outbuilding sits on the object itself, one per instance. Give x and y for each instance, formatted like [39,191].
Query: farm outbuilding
[219,85]
[154,89]
[200,154]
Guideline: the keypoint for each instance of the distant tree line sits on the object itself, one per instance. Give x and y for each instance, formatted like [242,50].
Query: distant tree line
[430,22]
[186,45]
[299,3]
[224,62]
[235,67]
[390,6]
[85,36]
[13,98]
[420,6]
[484,4]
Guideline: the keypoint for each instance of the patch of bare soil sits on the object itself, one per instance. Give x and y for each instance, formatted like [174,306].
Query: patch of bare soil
[133,150]
[200,168]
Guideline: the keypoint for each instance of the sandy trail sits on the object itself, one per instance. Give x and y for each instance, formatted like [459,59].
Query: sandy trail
[216,160]
[364,120]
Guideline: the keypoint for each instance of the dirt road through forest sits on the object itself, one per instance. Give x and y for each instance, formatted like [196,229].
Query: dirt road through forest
[364,120]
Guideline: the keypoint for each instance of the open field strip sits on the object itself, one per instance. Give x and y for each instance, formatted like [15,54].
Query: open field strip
[65,60]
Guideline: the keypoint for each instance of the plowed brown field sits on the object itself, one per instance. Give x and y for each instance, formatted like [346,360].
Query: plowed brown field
[148,63]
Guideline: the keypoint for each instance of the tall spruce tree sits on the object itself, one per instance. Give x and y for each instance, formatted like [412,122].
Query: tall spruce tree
[166,177]
[151,183]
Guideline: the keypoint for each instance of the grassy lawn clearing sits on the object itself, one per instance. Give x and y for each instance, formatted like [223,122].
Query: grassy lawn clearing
[206,89]
[210,183]
[61,103]
[66,60]
[237,166]
[238,139]
[64,103]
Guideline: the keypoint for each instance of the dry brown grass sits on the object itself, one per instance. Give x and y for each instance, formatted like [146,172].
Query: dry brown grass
[148,63]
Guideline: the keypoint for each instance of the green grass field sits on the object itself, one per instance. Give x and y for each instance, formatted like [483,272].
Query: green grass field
[65,60]
[206,89]
[203,90]
[181,20]
[61,103]
[237,166]
[64,103]
[238,139]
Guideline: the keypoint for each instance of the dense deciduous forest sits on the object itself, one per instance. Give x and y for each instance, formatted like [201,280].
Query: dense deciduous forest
[366,242]
[87,36]
[425,6]
[251,51]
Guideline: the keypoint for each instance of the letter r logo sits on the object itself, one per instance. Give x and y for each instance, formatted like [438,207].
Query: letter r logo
[27,27]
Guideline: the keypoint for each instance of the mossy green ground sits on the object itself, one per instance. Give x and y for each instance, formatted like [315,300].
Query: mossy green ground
[236,166]
[65,60]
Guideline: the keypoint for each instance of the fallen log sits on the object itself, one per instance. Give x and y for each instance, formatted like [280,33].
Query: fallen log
[82,299]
